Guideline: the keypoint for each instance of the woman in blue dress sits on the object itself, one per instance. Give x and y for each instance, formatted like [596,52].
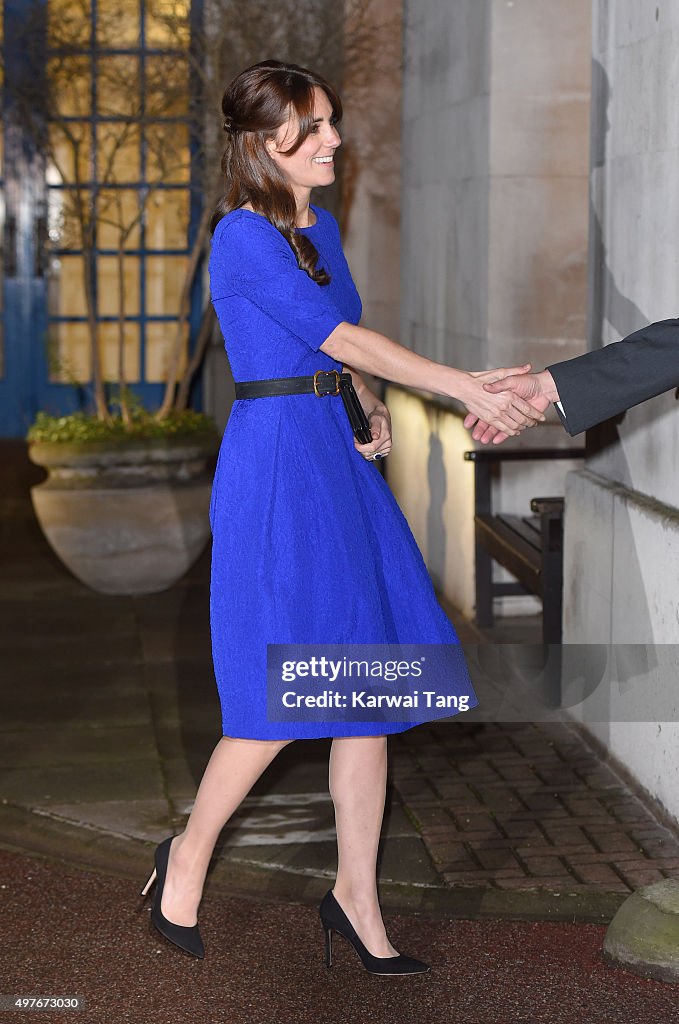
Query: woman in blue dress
[309,545]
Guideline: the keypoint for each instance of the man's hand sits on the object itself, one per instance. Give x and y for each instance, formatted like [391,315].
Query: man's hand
[529,386]
[538,389]
[507,412]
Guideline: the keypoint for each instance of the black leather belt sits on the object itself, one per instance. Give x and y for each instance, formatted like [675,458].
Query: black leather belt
[321,383]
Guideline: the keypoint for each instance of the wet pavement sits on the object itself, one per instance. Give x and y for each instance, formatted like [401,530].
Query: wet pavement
[506,847]
[84,934]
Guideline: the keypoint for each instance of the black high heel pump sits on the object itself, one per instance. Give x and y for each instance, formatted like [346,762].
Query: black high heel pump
[186,937]
[334,919]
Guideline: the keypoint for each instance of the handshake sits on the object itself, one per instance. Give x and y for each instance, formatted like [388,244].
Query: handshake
[502,403]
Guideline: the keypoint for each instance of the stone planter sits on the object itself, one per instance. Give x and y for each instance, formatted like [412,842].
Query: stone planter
[125,518]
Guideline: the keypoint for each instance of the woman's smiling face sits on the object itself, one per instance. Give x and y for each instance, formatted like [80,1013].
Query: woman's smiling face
[313,164]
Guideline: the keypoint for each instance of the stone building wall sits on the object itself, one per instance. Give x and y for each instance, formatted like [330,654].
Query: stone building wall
[494,236]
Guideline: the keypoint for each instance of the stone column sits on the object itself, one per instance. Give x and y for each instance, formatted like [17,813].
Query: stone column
[494,237]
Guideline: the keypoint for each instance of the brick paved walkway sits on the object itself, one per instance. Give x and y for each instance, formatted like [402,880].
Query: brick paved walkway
[525,806]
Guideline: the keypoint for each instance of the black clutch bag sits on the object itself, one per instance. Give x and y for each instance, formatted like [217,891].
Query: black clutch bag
[357,417]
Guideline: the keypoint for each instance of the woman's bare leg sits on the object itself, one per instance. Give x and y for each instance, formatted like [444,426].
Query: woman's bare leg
[233,768]
[358,779]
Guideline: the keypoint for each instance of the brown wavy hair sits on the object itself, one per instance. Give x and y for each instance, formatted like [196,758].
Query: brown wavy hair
[255,105]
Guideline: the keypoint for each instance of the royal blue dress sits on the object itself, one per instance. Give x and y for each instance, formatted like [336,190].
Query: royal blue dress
[309,544]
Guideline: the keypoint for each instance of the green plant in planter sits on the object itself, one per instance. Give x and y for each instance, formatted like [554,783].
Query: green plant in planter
[126,502]
[78,427]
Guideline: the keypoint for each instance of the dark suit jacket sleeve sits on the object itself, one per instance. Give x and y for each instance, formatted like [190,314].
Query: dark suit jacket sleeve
[605,382]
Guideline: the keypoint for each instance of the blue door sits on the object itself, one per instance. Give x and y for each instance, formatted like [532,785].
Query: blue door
[18,270]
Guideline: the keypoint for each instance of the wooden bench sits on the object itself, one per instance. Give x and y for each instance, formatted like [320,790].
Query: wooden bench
[529,547]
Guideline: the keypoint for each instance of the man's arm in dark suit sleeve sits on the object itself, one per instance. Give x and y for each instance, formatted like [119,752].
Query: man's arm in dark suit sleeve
[603,383]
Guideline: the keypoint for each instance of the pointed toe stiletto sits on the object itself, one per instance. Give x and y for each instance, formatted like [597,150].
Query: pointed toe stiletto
[334,919]
[186,937]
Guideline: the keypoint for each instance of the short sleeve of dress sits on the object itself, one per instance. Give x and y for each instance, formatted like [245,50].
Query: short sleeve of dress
[251,258]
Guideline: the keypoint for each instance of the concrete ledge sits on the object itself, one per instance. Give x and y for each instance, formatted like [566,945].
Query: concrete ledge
[124,857]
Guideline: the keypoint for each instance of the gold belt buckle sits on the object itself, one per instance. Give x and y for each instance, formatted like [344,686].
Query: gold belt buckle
[323,394]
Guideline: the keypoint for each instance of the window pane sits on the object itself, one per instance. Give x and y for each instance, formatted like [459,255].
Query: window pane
[164,282]
[160,340]
[68,353]
[66,210]
[109,341]
[167,153]
[66,287]
[118,23]
[119,219]
[118,92]
[167,86]
[69,87]
[118,155]
[108,281]
[167,23]
[68,153]
[68,22]
[167,219]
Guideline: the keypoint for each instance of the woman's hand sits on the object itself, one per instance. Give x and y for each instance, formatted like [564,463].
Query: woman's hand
[380,428]
[378,418]
[511,414]
[538,389]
